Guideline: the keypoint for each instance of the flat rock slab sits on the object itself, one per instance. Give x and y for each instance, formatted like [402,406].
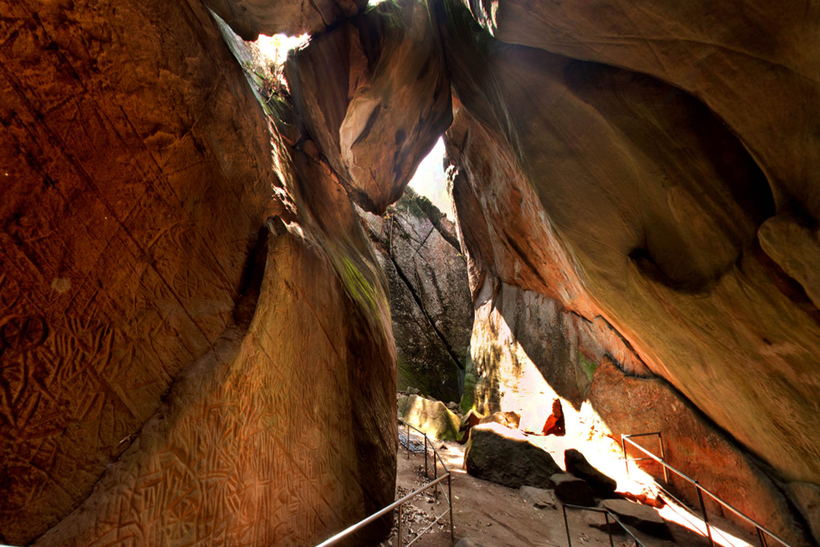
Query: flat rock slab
[570,489]
[504,456]
[540,498]
[642,517]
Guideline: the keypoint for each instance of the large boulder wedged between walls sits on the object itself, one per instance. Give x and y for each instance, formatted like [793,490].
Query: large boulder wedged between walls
[375,97]
[499,454]
[666,249]
[431,308]
[241,429]
[250,18]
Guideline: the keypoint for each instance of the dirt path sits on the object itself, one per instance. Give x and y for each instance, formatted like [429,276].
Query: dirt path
[496,516]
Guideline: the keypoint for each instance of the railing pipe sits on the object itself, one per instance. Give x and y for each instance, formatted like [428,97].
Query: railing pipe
[607,515]
[450,503]
[701,489]
[381,513]
[703,512]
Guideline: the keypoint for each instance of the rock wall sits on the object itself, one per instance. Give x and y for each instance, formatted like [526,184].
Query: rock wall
[430,304]
[650,227]
[172,372]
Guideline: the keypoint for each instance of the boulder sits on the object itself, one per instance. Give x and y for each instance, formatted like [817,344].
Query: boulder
[375,96]
[540,498]
[431,417]
[505,456]
[570,489]
[468,421]
[575,462]
[644,518]
[507,419]
[471,419]
[250,18]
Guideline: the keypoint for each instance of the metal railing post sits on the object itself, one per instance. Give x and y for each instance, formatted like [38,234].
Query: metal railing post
[398,532]
[761,537]
[608,529]
[626,458]
[705,517]
[566,525]
[408,441]
[450,499]
[425,456]
[663,457]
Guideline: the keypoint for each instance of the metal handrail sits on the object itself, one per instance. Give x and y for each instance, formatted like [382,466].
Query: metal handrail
[435,484]
[761,530]
[607,514]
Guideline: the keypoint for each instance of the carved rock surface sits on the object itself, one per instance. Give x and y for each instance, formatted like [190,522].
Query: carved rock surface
[137,404]
[243,428]
[375,97]
[432,312]
[129,212]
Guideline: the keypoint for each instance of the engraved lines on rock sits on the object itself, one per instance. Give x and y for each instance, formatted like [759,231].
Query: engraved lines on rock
[38,385]
[231,433]
[55,140]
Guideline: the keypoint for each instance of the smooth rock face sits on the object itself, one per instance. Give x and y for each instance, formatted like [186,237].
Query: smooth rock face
[753,63]
[504,456]
[431,417]
[375,97]
[807,498]
[658,225]
[432,312]
[527,351]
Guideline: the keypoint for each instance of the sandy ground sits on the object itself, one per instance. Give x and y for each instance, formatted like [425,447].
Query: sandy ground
[497,516]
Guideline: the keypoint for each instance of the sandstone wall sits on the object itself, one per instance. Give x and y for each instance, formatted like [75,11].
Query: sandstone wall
[138,406]
[652,214]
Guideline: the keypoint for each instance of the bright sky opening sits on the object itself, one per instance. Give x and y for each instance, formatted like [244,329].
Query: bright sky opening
[430,180]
